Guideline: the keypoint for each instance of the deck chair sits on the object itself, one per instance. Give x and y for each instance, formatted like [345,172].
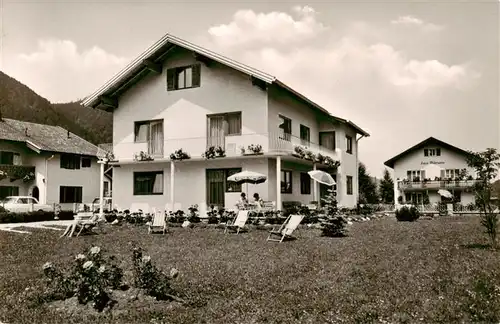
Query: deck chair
[286,229]
[238,223]
[158,222]
[81,225]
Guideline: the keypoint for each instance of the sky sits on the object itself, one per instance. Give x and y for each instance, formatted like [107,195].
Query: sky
[401,70]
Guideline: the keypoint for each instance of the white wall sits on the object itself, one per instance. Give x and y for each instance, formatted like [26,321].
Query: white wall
[185,111]
[415,160]
[190,183]
[88,178]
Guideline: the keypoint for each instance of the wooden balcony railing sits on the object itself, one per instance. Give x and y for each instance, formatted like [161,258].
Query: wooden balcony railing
[441,184]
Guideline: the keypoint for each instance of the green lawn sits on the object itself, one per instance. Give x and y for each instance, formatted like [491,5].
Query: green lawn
[384,271]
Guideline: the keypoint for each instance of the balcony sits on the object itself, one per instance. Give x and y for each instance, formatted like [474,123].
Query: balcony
[407,185]
[234,145]
[17,172]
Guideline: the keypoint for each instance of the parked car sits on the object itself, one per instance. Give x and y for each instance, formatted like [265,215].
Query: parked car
[107,204]
[24,204]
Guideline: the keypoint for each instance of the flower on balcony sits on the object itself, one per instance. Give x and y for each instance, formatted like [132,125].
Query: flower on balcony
[328,161]
[179,155]
[214,151]
[299,151]
[30,176]
[110,156]
[309,155]
[320,158]
[252,149]
[3,175]
[143,156]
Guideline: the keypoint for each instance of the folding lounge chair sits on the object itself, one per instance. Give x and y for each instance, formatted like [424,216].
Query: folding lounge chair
[88,225]
[239,222]
[286,229]
[159,222]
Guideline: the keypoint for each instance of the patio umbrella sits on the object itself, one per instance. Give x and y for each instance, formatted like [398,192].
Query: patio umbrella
[321,177]
[445,193]
[247,177]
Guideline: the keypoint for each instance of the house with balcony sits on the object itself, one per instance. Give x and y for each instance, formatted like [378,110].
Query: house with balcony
[186,118]
[48,163]
[429,166]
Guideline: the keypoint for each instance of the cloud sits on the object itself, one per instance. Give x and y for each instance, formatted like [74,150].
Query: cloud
[354,70]
[73,73]
[329,61]
[413,21]
[255,28]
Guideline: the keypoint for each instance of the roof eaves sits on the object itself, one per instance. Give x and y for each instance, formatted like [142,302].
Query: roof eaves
[90,100]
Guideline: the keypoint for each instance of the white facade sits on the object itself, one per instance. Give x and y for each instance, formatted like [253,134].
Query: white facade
[418,174]
[49,176]
[183,116]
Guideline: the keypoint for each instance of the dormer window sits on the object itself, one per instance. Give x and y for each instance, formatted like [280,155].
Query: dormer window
[183,77]
[432,152]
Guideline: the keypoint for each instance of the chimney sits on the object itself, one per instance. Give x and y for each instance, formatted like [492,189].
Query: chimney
[26,131]
[68,133]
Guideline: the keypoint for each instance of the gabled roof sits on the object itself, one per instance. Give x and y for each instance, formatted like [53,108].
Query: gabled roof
[40,137]
[155,54]
[430,141]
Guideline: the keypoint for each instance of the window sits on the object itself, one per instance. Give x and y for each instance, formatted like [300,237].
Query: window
[70,161]
[348,144]
[230,185]
[349,185]
[452,173]
[432,152]
[148,183]
[415,198]
[327,140]
[305,135]
[106,189]
[151,132]
[414,174]
[70,195]
[285,128]
[10,158]
[305,184]
[286,181]
[183,77]
[86,162]
[6,191]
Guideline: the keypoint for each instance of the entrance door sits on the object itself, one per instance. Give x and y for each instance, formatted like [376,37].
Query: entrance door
[36,193]
[215,187]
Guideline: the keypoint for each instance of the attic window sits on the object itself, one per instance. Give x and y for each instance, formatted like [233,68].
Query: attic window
[432,152]
[184,77]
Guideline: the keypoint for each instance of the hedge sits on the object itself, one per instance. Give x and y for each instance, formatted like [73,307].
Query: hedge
[36,216]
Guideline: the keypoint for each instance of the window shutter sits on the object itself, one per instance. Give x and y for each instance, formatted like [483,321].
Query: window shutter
[196,75]
[170,79]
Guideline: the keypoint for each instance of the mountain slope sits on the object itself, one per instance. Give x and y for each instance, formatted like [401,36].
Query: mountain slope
[18,101]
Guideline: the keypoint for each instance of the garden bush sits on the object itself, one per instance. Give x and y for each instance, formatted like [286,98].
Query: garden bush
[177,217]
[407,214]
[36,216]
[335,224]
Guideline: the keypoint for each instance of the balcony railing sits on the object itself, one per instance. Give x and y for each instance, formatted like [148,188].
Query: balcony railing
[270,143]
[442,184]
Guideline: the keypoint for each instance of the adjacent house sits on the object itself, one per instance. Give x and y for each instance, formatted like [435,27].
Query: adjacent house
[423,169]
[178,98]
[47,162]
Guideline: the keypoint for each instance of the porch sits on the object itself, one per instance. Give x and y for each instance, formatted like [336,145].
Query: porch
[175,185]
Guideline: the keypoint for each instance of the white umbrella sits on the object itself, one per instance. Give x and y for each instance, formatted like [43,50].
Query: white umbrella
[247,177]
[321,177]
[445,193]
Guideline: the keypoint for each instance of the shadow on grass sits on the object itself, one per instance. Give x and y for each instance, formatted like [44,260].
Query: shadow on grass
[477,246]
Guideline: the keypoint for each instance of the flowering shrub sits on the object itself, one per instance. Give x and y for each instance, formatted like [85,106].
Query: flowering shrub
[91,279]
[405,214]
[146,276]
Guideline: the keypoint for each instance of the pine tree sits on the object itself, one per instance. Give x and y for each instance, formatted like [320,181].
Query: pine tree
[367,188]
[386,188]
[335,224]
